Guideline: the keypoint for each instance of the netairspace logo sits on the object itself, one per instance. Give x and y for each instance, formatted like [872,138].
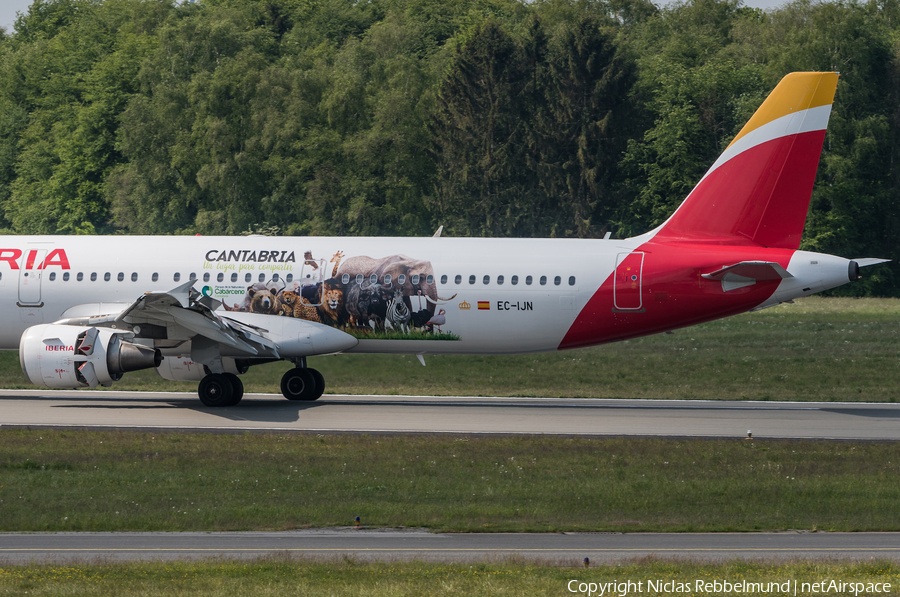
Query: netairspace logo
[624,588]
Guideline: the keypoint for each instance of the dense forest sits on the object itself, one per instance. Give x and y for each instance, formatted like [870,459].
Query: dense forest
[565,118]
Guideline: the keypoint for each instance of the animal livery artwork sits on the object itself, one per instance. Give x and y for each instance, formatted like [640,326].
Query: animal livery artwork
[393,297]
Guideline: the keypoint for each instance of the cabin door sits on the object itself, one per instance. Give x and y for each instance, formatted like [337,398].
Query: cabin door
[627,281]
[30,276]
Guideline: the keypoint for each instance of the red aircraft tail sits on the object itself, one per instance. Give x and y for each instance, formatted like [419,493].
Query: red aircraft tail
[758,191]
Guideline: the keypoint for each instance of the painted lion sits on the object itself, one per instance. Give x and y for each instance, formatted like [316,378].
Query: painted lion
[332,310]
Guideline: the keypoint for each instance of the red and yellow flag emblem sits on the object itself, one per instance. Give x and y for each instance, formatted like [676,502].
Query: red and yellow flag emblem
[484,305]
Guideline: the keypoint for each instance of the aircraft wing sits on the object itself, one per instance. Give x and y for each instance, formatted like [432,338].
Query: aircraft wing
[191,310]
[185,313]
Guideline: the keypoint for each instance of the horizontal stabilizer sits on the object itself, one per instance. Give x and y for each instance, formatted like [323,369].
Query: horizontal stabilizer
[867,261]
[758,270]
[747,273]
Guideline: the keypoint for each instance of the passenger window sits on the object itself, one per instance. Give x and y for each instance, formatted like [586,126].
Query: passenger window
[206,276]
[262,277]
[247,277]
[415,279]
[543,280]
[66,277]
[52,276]
[499,280]
[429,279]
[401,279]
[234,277]
[514,280]
[120,277]
[93,276]
[359,278]
[571,280]
[345,279]
[220,277]
[134,276]
[487,280]
[528,280]
[373,279]
[387,279]
[458,279]
[557,280]
[471,279]
[107,277]
[155,277]
[444,279]
[193,276]
[289,278]
[80,276]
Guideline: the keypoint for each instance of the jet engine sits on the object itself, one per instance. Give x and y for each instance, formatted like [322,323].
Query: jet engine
[64,356]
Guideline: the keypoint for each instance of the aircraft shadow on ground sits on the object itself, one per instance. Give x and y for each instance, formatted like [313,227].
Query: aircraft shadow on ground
[279,410]
[269,411]
[874,413]
[284,411]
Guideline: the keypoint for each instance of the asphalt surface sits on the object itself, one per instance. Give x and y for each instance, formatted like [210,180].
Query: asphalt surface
[457,415]
[397,545]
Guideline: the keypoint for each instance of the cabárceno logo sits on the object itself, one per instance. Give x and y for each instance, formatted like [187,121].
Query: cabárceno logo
[220,291]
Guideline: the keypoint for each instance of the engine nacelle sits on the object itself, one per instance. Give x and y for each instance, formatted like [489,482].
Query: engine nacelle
[184,369]
[65,357]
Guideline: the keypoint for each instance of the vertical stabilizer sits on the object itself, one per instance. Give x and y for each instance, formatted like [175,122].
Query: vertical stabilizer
[758,191]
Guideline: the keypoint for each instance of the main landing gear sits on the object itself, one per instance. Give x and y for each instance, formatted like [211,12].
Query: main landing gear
[221,389]
[226,389]
[302,384]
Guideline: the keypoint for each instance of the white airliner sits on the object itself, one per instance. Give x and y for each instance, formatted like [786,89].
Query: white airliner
[89,309]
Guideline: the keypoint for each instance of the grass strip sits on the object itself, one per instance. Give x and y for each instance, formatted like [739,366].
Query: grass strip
[823,349]
[275,577]
[130,481]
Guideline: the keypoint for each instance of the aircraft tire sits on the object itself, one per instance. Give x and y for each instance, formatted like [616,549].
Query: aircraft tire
[320,383]
[215,390]
[237,388]
[298,384]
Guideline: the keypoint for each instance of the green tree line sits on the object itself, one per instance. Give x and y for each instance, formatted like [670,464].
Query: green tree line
[563,118]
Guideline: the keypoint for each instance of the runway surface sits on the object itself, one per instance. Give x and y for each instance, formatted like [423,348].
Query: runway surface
[457,415]
[392,545]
